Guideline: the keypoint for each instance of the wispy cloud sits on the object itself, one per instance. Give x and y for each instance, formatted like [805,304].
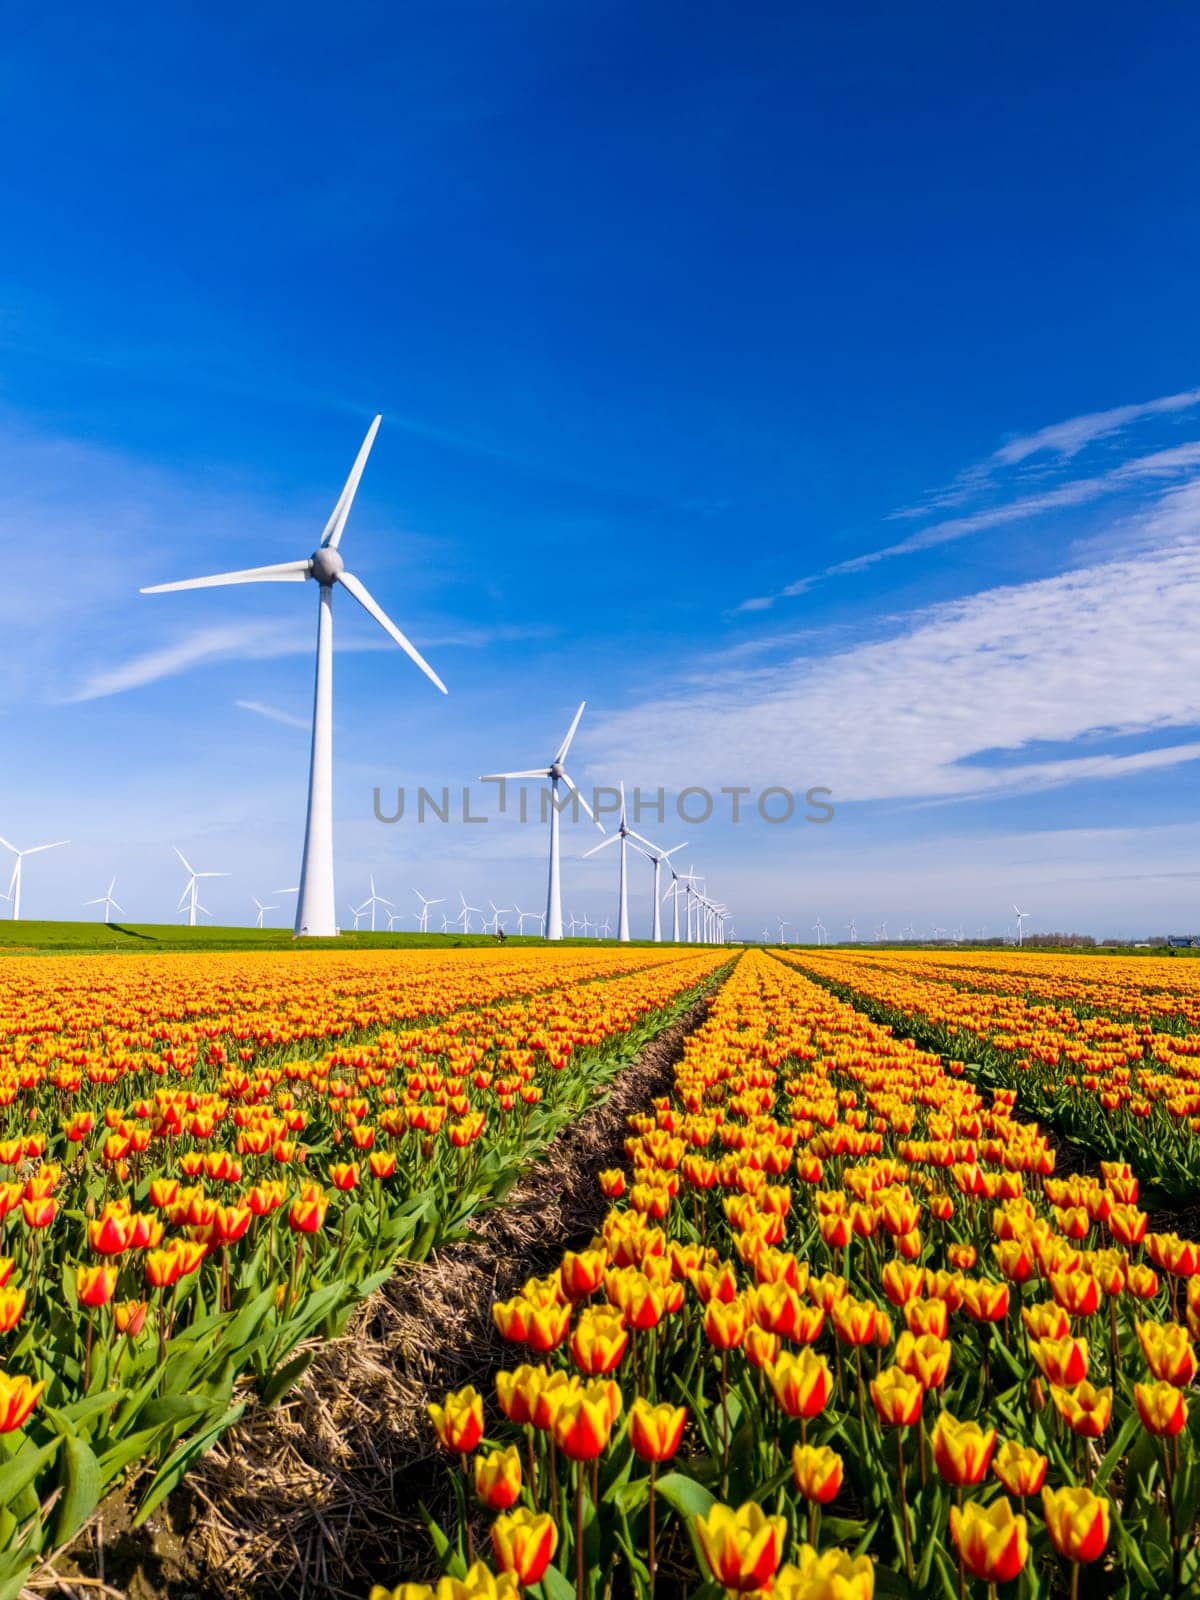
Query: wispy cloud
[272,713]
[1067,439]
[1102,653]
[250,641]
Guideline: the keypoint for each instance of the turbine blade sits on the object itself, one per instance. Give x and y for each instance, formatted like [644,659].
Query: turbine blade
[11,847]
[603,845]
[116,907]
[187,864]
[534,772]
[667,854]
[372,608]
[37,848]
[578,793]
[283,572]
[337,517]
[566,744]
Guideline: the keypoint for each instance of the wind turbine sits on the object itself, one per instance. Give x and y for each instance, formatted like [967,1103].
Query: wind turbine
[445,923]
[605,929]
[423,919]
[852,930]
[464,916]
[262,910]
[819,930]
[674,891]
[557,773]
[538,916]
[572,923]
[656,855]
[782,926]
[621,838]
[315,915]
[497,913]
[357,912]
[106,900]
[14,883]
[374,900]
[190,896]
[1021,915]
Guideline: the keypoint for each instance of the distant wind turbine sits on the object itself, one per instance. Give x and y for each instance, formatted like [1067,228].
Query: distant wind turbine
[262,911]
[315,914]
[1021,916]
[656,855]
[106,900]
[423,919]
[464,916]
[374,900]
[14,883]
[190,896]
[557,773]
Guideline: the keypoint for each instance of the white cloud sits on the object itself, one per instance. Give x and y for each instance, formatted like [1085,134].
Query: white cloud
[248,641]
[1108,650]
[272,713]
[1066,439]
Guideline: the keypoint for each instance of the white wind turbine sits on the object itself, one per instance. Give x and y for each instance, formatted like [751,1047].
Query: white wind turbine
[374,900]
[819,930]
[14,883]
[106,900]
[1021,916]
[465,915]
[656,855]
[538,917]
[315,915]
[190,896]
[262,911]
[557,773]
[357,912]
[852,930]
[782,926]
[621,838]
[572,924]
[423,919]
[497,913]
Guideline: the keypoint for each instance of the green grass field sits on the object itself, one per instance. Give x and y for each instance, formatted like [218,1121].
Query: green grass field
[84,938]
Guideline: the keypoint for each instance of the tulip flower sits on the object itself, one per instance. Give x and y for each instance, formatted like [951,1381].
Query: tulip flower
[12,1307]
[523,1543]
[18,1396]
[1085,1409]
[725,1323]
[584,1422]
[1020,1468]
[599,1341]
[926,1358]
[1077,1522]
[897,1397]
[743,1548]
[1168,1352]
[1162,1408]
[961,1450]
[459,1422]
[655,1431]
[817,1472]
[801,1383]
[832,1575]
[95,1286]
[498,1478]
[517,1392]
[1062,1361]
[992,1543]
[582,1273]
[854,1320]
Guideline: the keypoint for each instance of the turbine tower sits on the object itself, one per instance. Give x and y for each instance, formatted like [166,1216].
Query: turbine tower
[1021,915]
[190,895]
[14,883]
[106,900]
[315,915]
[621,838]
[557,773]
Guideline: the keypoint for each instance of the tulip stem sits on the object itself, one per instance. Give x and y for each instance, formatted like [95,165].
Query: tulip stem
[1074,1580]
[651,1557]
[579,1592]
[908,1560]
[467,1516]
[724,1423]
[1169,1489]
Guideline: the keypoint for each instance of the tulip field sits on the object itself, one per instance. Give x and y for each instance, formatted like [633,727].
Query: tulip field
[207,1161]
[842,1331]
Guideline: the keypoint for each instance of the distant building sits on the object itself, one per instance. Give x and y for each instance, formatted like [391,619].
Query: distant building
[1184,941]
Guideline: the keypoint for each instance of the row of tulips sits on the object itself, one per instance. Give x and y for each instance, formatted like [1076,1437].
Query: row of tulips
[841,1333]
[165,1243]
[1126,1090]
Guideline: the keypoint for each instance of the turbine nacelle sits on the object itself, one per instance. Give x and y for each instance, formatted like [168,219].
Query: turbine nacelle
[326,565]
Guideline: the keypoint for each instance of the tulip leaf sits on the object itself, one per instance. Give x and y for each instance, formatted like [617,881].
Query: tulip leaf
[285,1377]
[173,1469]
[81,1486]
[20,1470]
[555,1586]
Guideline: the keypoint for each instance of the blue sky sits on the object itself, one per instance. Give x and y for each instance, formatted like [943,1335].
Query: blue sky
[818,395]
